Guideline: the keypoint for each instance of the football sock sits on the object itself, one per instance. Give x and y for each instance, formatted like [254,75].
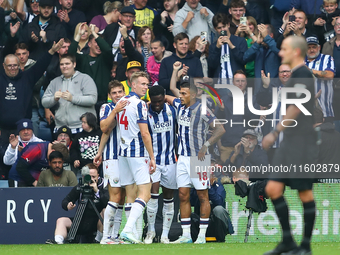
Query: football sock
[168,215]
[186,224]
[117,221]
[151,209]
[136,211]
[281,209]
[204,222]
[109,215]
[309,219]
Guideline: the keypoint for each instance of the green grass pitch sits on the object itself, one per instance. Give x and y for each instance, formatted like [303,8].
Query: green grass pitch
[159,249]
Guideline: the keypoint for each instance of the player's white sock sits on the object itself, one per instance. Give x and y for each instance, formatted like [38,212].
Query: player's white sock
[151,209]
[168,215]
[109,216]
[139,227]
[99,236]
[117,221]
[127,210]
[59,238]
[186,224]
[204,222]
[136,210]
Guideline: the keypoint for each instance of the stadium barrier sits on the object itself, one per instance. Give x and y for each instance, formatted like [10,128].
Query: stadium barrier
[28,215]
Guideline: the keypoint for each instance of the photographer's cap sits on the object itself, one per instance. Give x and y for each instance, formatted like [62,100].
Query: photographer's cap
[312,40]
[249,132]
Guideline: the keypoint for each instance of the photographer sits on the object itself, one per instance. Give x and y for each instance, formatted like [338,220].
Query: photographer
[247,152]
[89,221]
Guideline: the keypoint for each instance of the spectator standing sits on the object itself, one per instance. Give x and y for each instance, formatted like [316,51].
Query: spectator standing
[73,92]
[193,19]
[144,38]
[191,65]
[111,15]
[44,29]
[144,14]
[69,17]
[163,23]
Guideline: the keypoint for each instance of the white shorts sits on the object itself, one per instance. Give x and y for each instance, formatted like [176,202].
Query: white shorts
[133,170]
[111,173]
[188,175]
[166,174]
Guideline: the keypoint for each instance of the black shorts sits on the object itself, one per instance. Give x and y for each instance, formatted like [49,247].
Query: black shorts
[295,151]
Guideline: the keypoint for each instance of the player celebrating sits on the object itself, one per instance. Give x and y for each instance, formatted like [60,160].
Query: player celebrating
[193,145]
[162,123]
[136,158]
[298,147]
[108,151]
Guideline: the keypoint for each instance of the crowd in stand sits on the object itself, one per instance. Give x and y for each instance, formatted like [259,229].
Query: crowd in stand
[59,57]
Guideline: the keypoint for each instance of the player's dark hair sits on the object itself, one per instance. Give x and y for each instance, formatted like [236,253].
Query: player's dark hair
[91,119]
[114,84]
[55,154]
[156,91]
[192,88]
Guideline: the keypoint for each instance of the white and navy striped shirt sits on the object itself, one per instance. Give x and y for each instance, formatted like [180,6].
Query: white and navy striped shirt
[135,112]
[112,145]
[192,127]
[162,129]
[323,63]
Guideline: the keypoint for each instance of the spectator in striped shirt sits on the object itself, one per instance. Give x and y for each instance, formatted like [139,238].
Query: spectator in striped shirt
[323,69]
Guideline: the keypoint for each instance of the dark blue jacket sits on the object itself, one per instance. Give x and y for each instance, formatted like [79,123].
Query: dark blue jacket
[236,56]
[217,195]
[308,6]
[271,60]
[165,71]
[17,92]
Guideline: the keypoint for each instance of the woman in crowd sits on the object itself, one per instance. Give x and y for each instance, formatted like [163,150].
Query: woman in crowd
[112,12]
[83,48]
[144,38]
[201,50]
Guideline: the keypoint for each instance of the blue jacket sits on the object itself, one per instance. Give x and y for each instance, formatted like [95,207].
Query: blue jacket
[236,56]
[271,60]
[165,71]
[308,6]
[217,195]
